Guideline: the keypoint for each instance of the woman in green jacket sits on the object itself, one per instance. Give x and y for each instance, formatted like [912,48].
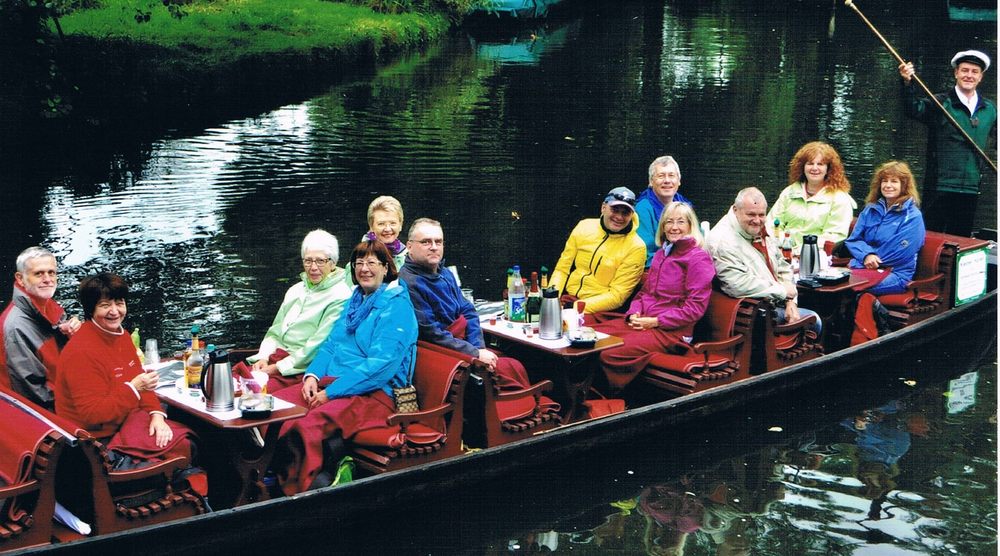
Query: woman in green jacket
[306,315]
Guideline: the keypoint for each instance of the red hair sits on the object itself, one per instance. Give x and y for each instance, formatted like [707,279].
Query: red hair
[834,179]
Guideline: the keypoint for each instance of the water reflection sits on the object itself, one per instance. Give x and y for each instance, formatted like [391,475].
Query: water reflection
[509,141]
[891,478]
[518,46]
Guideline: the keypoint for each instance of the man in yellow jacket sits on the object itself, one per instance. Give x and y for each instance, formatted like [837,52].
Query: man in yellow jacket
[604,257]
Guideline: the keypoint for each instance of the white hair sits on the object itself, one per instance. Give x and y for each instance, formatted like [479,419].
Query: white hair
[33,252]
[321,240]
[750,194]
[666,160]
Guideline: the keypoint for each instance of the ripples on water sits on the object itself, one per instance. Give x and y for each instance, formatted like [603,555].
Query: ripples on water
[508,140]
[915,474]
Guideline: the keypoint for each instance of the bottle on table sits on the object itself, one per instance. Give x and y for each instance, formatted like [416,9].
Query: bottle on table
[137,342]
[787,247]
[517,297]
[194,361]
[505,294]
[534,299]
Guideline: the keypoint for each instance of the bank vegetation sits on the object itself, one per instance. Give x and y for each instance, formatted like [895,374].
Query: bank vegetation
[99,61]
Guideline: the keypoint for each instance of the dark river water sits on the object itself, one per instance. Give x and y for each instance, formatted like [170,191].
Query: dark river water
[509,139]
[902,464]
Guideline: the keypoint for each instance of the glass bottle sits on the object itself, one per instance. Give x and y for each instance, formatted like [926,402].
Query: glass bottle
[517,297]
[195,361]
[534,299]
[787,247]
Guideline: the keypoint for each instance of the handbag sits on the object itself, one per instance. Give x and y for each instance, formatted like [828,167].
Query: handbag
[406,396]
[406,399]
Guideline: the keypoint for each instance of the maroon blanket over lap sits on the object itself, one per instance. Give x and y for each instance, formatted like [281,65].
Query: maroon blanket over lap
[133,439]
[622,364]
[511,374]
[303,438]
[873,277]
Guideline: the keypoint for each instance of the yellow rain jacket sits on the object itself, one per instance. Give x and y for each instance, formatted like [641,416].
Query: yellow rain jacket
[599,267]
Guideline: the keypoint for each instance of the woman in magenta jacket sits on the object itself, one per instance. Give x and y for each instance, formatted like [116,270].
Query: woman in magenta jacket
[673,298]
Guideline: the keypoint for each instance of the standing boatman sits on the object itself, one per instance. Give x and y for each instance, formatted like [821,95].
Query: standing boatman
[954,168]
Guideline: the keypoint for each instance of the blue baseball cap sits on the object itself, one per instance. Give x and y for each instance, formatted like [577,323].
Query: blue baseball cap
[620,196]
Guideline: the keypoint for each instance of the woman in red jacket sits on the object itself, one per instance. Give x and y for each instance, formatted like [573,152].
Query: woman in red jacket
[674,297]
[101,386]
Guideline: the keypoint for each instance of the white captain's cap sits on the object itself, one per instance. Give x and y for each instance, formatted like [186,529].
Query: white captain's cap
[972,57]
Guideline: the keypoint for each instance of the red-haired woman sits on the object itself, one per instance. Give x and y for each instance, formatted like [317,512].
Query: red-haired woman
[818,201]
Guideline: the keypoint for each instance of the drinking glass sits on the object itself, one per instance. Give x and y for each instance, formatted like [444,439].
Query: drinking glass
[152,352]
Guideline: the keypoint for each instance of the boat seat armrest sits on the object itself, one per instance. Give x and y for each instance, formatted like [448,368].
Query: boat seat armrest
[534,390]
[165,467]
[16,490]
[720,345]
[921,283]
[795,327]
[419,416]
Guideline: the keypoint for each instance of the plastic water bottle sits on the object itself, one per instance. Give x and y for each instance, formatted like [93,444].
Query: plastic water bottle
[517,297]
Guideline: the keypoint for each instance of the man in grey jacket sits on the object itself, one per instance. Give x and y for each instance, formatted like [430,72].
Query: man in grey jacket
[33,329]
[748,261]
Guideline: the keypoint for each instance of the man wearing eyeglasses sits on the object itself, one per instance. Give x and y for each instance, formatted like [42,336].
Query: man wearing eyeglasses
[954,168]
[445,317]
[604,257]
[664,181]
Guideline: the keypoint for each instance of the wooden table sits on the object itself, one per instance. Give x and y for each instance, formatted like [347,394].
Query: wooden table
[835,305]
[571,369]
[236,463]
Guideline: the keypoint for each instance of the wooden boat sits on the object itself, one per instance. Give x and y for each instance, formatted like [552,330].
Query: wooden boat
[425,494]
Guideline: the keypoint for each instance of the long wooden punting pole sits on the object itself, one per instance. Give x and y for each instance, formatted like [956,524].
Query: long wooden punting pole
[954,122]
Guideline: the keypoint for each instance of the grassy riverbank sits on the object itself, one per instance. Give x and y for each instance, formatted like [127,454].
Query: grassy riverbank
[225,31]
[130,66]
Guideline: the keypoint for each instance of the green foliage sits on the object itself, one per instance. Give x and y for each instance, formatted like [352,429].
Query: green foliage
[223,31]
[30,78]
[452,8]
[63,7]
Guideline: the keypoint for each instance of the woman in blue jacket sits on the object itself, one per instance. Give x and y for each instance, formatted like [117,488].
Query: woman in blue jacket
[348,386]
[890,229]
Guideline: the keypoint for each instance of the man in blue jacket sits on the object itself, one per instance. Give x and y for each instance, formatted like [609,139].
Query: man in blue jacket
[444,316]
[954,168]
[664,180]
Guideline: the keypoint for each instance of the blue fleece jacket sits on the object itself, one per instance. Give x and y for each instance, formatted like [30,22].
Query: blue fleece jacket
[895,234]
[438,301]
[380,354]
[649,208]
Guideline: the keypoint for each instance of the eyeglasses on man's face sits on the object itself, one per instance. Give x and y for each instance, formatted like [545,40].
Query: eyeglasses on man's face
[318,262]
[428,241]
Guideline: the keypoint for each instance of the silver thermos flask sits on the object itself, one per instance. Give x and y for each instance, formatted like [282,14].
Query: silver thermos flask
[218,383]
[809,257]
[550,318]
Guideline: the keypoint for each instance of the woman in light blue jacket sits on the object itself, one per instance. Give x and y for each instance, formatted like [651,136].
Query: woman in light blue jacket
[890,229]
[348,386]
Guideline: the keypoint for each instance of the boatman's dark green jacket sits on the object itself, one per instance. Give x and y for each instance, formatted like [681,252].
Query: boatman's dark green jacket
[952,164]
